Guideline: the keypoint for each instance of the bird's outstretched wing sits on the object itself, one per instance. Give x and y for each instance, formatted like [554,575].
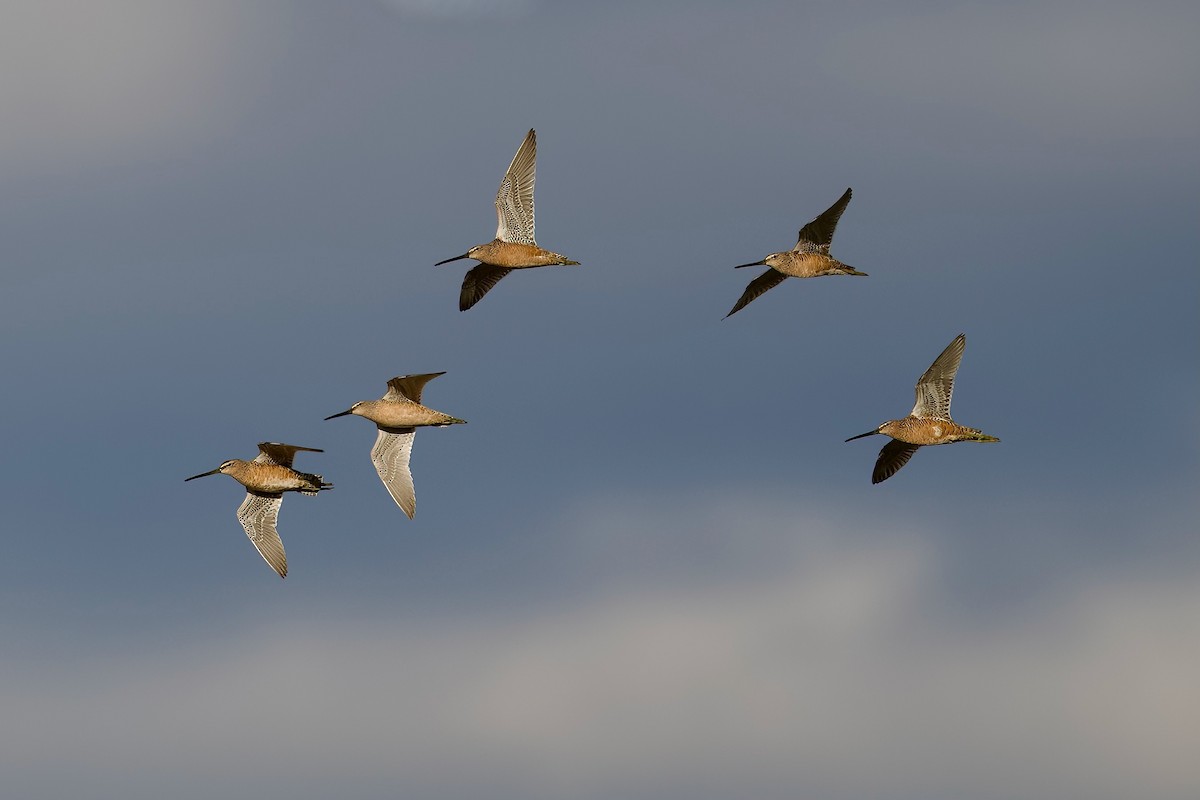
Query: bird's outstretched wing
[768,280]
[478,282]
[258,514]
[390,456]
[894,455]
[936,387]
[818,234]
[409,387]
[281,454]
[514,201]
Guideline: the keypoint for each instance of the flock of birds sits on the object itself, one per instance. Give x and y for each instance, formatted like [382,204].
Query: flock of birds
[399,412]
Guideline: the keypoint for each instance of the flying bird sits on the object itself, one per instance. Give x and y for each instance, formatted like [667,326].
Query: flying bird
[266,478]
[808,259]
[929,421]
[514,246]
[398,414]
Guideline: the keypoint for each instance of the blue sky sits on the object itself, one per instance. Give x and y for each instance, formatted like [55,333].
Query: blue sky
[649,566]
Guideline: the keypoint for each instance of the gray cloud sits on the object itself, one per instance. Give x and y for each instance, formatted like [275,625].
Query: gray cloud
[649,566]
[84,85]
[833,671]
[460,9]
[1055,73]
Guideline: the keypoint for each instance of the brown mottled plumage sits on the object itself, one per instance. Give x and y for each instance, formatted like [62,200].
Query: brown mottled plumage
[808,259]
[266,478]
[398,414]
[929,423]
[514,246]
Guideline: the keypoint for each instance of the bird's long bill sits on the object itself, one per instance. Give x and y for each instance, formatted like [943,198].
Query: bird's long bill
[202,474]
[761,263]
[456,258]
[340,414]
[861,435]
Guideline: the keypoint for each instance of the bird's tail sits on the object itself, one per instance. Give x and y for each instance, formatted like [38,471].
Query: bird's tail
[317,483]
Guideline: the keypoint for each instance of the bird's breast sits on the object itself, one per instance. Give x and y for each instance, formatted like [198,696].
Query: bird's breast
[804,265]
[271,478]
[404,415]
[514,255]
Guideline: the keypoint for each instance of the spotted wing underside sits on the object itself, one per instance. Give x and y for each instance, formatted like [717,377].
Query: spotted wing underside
[936,387]
[390,456]
[259,514]
[514,201]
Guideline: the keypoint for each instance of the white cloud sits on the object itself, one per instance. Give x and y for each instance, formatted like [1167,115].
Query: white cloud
[832,671]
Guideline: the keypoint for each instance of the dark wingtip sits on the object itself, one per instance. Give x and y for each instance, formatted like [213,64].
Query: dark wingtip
[466,299]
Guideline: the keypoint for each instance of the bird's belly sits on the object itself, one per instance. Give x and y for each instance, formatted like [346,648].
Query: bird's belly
[805,265]
[273,478]
[406,415]
[922,432]
[516,255]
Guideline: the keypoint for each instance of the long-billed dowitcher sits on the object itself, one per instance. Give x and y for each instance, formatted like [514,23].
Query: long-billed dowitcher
[929,422]
[513,247]
[808,259]
[398,414]
[266,478]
